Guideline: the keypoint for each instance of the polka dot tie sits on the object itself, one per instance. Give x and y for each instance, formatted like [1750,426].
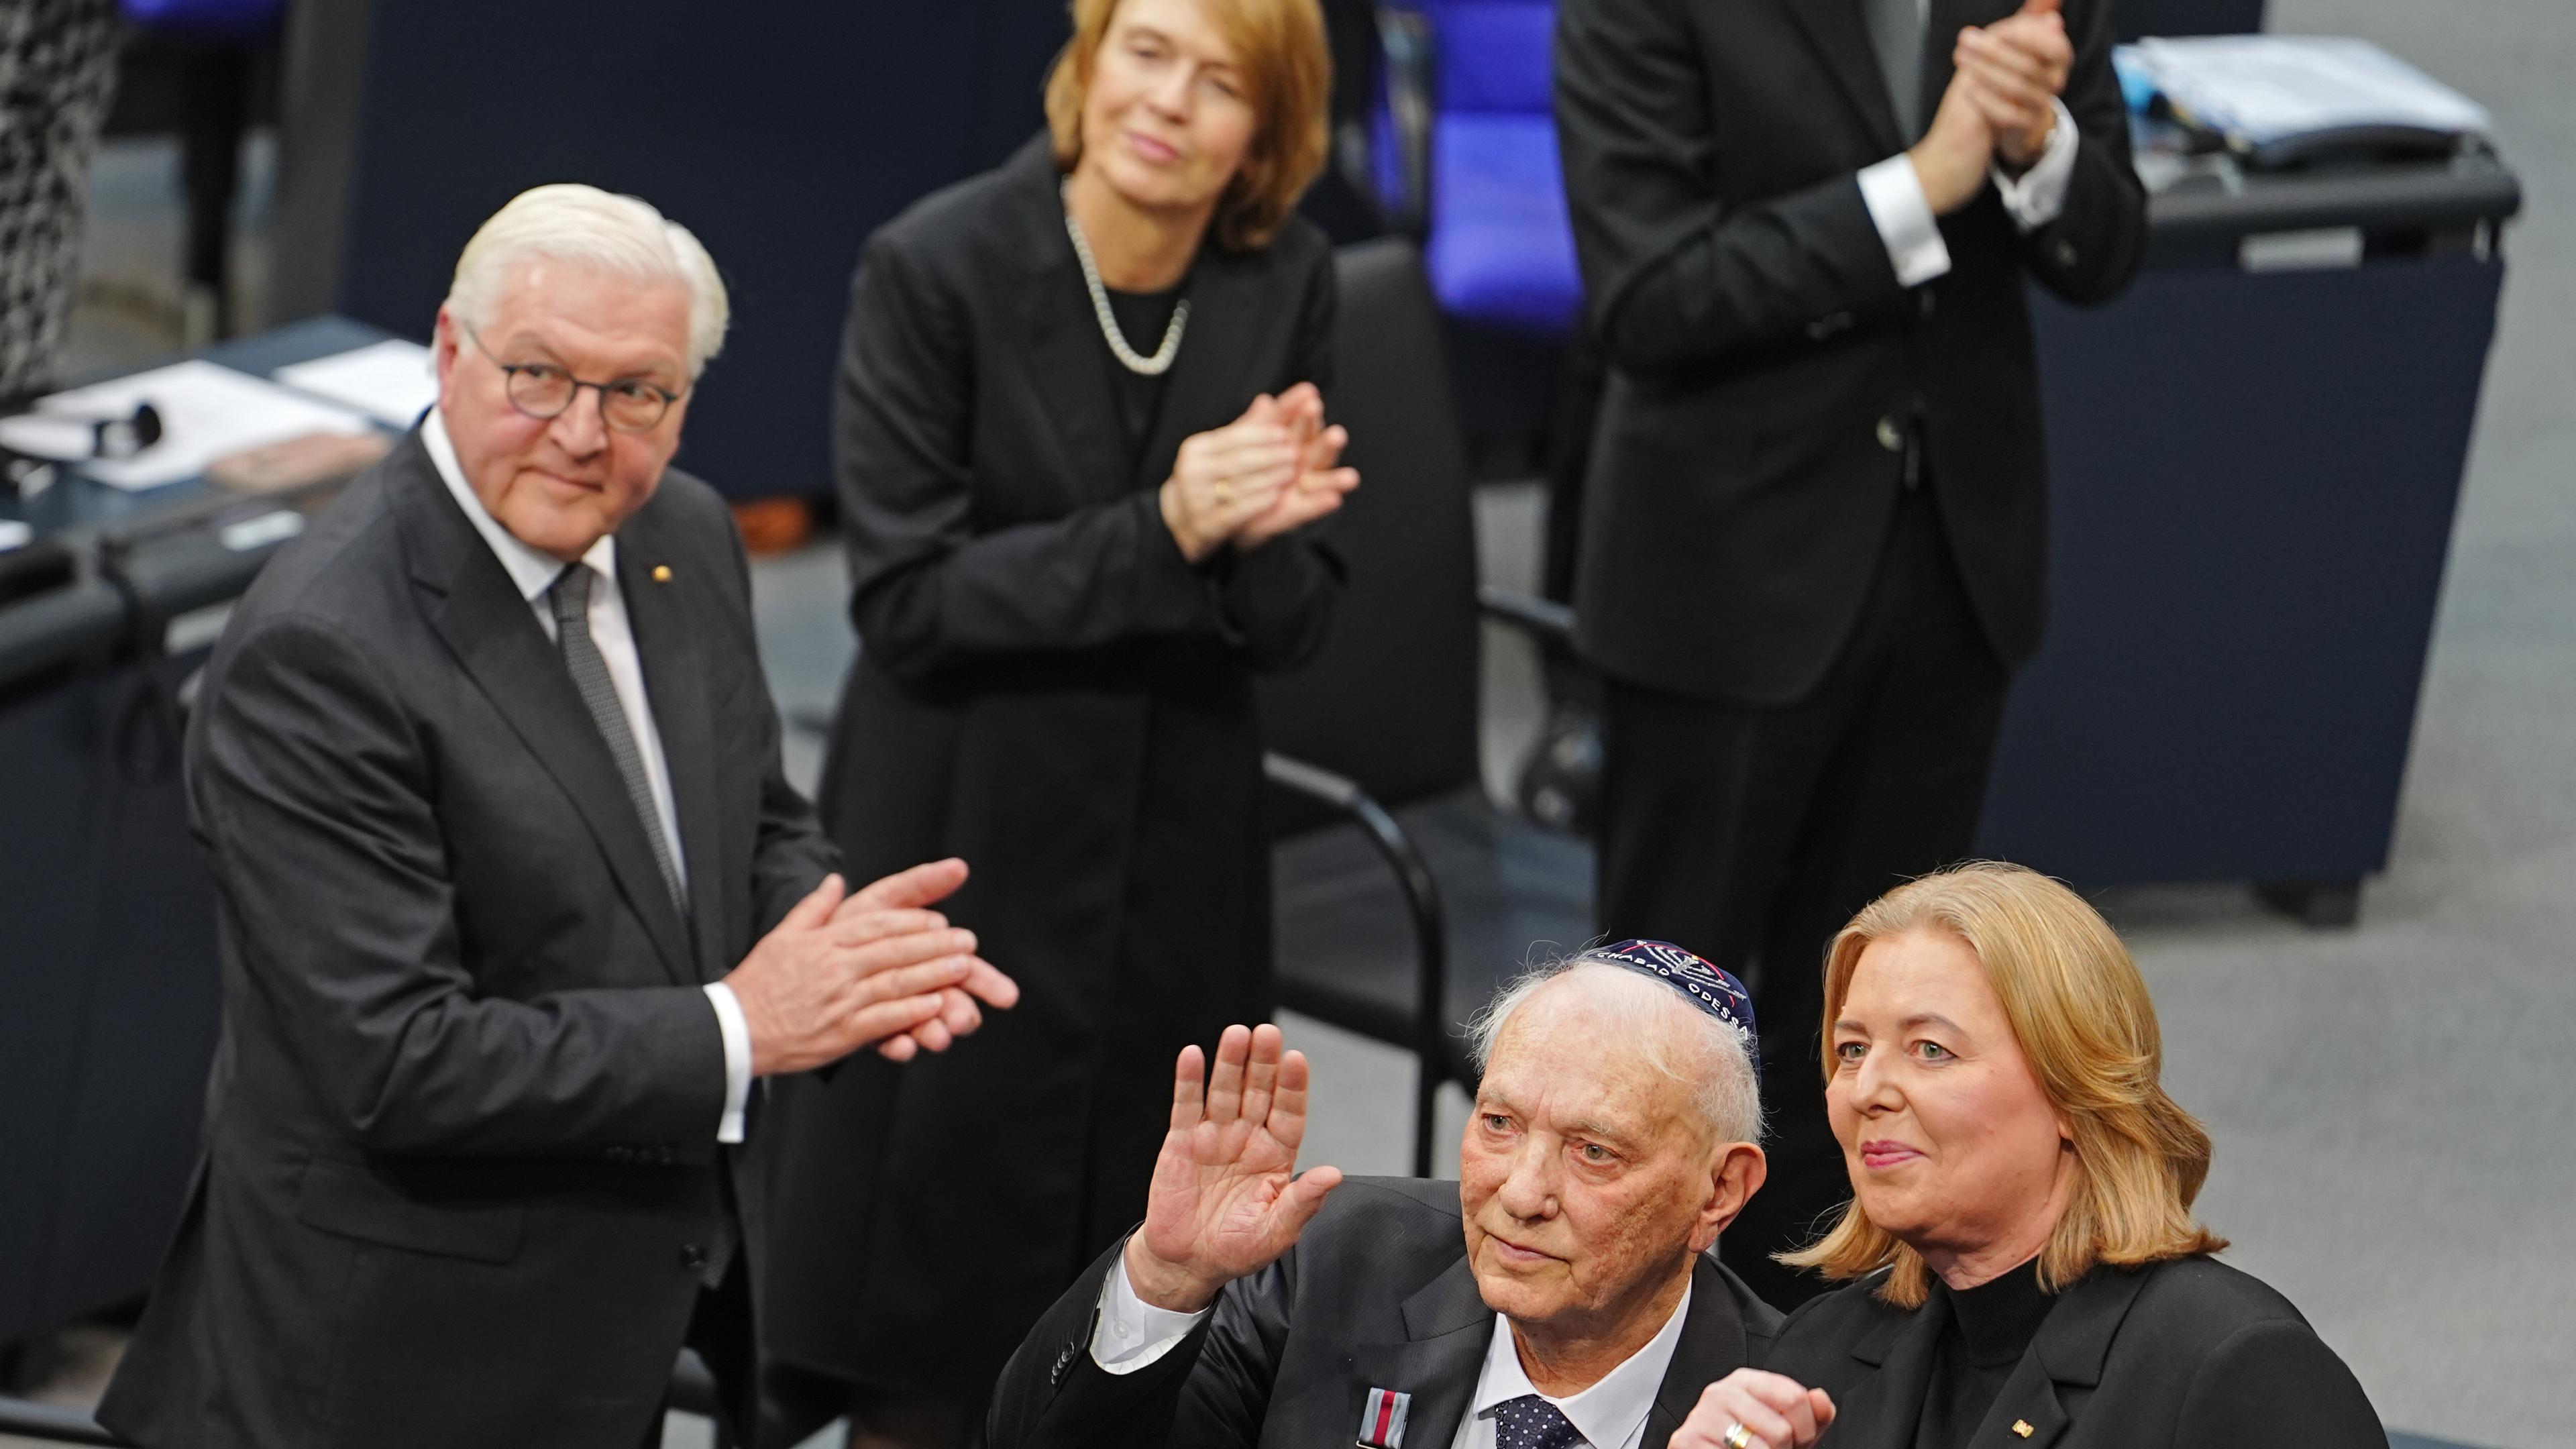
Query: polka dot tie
[1530,1422]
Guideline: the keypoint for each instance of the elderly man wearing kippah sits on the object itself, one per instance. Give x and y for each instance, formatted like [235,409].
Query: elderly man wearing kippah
[1561,1294]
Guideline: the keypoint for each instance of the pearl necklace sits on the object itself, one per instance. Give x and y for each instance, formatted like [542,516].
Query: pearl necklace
[1128,357]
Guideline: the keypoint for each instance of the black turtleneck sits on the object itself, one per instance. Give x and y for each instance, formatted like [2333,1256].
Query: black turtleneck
[1990,1328]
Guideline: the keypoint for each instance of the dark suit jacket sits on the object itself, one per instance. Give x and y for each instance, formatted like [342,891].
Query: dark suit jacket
[1376,1294]
[2189,1354]
[1047,688]
[1757,338]
[460,1133]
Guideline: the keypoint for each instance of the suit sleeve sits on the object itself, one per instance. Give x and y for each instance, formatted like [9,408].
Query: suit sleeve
[2089,253]
[314,793]
[2275,1385]
[1210,1392]
[929,590]
[1673,273]
[1277,600]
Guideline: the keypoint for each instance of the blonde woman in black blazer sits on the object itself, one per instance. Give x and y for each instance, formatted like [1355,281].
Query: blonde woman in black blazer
[2023,1264]
[1080,443]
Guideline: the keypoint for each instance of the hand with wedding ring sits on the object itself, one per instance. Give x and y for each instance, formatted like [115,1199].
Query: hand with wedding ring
[1321,484]
[1225,478]
[1750,1409]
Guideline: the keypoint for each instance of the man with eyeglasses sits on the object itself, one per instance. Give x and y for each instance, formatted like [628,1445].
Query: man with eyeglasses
[515,905]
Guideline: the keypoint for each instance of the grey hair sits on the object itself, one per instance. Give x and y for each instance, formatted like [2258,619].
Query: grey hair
[1719,1075]
[590,227]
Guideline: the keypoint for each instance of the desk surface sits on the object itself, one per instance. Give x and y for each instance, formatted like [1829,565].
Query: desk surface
[79,503]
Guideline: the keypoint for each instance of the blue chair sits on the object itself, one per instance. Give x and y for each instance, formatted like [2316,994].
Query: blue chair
[1465,157]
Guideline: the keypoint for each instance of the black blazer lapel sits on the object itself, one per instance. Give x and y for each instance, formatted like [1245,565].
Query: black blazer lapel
[2069,1351]
[1841,38]
[1711,1347]
[675,683]
[1884,1411]
[469,599]
[1064,345]
[1448,1328]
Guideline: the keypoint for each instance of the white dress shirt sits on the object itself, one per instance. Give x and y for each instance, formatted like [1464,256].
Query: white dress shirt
[535,572]
[1130,1333]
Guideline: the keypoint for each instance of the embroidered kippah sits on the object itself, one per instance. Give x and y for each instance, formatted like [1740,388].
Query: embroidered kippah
[1709,988]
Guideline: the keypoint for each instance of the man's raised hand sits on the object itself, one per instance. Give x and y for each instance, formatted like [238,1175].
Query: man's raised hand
[1226,1200]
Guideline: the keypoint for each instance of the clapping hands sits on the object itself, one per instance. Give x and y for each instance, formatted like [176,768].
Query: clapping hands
[1226,1200]
[2001,104]
[2014,70]
[1270,471]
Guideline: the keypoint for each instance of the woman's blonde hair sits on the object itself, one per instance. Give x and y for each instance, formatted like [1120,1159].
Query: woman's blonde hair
[2081,1013]
[1288,69]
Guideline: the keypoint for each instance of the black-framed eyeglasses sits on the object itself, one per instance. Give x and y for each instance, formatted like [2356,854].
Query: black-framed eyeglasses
[542,390]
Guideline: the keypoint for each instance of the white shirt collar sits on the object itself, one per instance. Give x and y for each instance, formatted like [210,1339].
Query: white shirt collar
[1608,1414]
[532,569]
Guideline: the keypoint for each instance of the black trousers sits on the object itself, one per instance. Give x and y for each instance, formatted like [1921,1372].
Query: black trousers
[1751,834]
[720,1329]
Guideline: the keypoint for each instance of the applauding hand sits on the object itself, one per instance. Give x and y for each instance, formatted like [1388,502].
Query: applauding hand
[2014,71]
[1226,477]
[1226,1201]
[875,910]
[1320,485]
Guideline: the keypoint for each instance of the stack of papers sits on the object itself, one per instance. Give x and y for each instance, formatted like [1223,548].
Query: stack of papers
[2262,91]
[391,381]
[206,411]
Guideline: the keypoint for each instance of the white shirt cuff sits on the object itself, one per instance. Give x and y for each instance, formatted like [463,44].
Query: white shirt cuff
[1128,1333]
[1894,196]
[737,1048]
[2038,196]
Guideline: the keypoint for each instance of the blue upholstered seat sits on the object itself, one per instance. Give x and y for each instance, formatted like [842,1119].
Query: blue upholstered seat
[1496,240]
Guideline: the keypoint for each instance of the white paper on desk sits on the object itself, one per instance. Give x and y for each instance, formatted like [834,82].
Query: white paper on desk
[391,381]
[206,411]
[2266,88]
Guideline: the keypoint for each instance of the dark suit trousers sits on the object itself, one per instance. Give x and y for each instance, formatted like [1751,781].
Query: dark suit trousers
[1751,834]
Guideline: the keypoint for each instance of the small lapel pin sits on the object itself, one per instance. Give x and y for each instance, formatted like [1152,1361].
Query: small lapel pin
[1382,1419]
[661,573]
[2022,1427]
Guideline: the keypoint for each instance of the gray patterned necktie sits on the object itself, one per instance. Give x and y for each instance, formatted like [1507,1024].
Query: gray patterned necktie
[571,598]
[1896,33]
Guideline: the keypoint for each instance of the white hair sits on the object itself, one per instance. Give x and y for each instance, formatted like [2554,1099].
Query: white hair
[590,227]
[1719,1072]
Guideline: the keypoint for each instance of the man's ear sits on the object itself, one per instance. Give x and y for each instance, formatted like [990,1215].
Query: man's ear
[443,346]
[1733,1179]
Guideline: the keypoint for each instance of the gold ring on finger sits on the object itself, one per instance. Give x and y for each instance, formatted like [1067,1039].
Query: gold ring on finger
[1224,492]
[1736,1436]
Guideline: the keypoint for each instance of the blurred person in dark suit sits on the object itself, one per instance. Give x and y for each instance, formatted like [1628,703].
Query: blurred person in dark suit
[1813,541]
[1081,444]
[1560,1294]
[515,905]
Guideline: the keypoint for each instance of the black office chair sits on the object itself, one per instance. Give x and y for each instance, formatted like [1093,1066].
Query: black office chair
[1402,928]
